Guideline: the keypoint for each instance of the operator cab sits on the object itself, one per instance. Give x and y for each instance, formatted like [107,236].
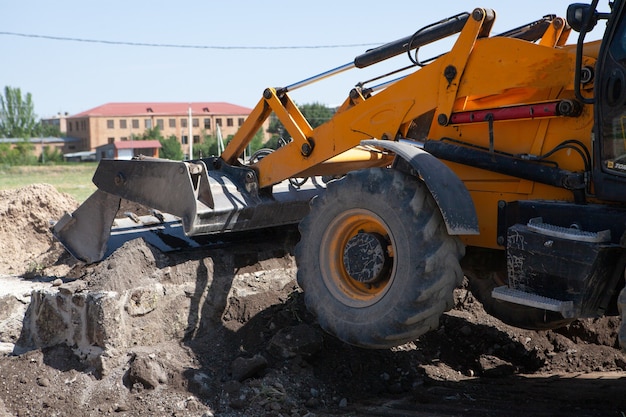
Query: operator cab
[609,173]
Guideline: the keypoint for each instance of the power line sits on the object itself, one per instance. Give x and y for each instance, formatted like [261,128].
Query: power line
[169,45]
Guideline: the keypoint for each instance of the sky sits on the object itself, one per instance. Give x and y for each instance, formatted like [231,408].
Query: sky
[246,46]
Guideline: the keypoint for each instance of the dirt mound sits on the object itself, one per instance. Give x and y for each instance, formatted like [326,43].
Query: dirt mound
[243,353]
[26,243]
[132,265]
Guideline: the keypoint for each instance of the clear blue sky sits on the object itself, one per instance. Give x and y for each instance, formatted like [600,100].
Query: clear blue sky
[68,76]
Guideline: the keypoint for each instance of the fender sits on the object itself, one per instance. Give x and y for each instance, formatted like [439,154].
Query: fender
[450,194]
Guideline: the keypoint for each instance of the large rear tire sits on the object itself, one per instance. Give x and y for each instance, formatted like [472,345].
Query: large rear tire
[375,261]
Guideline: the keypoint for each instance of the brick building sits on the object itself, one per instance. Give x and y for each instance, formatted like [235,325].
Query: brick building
[128,149]
[58,120]
[62,145]
[117,122]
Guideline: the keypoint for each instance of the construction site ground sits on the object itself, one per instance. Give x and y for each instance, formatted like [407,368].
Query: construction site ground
[223,332]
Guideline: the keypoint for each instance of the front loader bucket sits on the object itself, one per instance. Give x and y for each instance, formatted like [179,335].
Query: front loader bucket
[85,232]
[192,199]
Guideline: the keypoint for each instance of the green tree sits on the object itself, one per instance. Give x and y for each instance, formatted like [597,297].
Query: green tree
[47,130]
[315,113]
[257,142]
[170,148]
[208,147]
[273,142]
[22,153]
[17,114]
[25,153]
[275,127]
[149,134]
[50,155]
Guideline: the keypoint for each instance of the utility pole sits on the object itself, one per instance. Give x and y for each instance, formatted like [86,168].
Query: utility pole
[190,134]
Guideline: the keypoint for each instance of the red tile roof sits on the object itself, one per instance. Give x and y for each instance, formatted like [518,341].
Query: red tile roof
[164,109]
[137,144]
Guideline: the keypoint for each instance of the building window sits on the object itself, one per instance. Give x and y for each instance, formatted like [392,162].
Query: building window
[183,122]
[195,122]
[148,123]
[160,124]
[69,126]
[77,126]
[240,121]
[83,124]
[196,138]
[172,122]
[110,124]
[135,123]
[124,138]
[218,121]
[123,124]
[183,139]
[229,122]
[110,140]
[207,123]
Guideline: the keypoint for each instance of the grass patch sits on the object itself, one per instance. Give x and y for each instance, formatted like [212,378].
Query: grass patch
[71,178]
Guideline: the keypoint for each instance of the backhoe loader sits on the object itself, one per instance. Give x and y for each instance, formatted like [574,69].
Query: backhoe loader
[502,160]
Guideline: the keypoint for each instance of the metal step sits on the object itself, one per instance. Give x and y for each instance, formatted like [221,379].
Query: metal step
[536,224]
[504,293]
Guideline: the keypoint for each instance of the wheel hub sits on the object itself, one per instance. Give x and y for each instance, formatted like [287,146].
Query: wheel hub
[365,257]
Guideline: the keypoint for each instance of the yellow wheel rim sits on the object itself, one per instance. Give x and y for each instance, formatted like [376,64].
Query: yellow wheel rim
[338,280]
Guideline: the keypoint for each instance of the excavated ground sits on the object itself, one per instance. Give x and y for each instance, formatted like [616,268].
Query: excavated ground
[228,335]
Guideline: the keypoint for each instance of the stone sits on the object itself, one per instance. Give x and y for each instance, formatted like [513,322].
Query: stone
[120,408]
[303,339]
[494,367]
[238,403]
[143,300]
[466,331]
[244,368]
[232,387]
[146,371]
[312,403]
[12,311]
[43,382]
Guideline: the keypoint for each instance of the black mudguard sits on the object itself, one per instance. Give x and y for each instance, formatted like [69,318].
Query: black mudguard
[448,191]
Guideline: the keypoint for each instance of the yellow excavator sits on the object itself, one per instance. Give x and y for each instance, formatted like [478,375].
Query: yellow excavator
[502,160]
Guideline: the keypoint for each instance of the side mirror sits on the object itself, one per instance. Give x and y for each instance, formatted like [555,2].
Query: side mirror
[578,13]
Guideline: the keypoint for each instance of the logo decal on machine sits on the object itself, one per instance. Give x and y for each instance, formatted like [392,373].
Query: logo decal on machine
[616,165]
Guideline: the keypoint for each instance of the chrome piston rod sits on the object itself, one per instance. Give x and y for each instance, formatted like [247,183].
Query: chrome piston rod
[424,36]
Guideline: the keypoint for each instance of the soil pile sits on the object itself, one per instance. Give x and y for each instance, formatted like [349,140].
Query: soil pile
[26,244]
[254,355]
